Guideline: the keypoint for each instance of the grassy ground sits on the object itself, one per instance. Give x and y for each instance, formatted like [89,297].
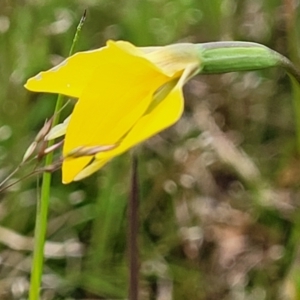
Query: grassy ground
[219,214]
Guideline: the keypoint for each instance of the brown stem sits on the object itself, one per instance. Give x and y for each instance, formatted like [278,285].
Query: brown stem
[133,232]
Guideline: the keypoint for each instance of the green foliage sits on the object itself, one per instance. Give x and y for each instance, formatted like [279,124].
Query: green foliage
[219,213]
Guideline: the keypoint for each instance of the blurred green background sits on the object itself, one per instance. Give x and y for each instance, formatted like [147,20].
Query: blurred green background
[219,212]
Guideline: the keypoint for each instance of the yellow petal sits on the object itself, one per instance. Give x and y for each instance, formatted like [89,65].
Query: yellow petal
[116,96]
[70,77]
[128,47]
[173,58]
[162,116]
[165,114]
[91,168]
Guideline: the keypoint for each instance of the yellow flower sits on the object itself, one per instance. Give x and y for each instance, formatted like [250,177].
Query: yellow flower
[126,95]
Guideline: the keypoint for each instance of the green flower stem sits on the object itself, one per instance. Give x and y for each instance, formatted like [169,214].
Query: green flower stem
[39,234]
[223,57]
[43,202]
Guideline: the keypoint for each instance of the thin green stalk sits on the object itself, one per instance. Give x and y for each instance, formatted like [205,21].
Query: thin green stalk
[43,202]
